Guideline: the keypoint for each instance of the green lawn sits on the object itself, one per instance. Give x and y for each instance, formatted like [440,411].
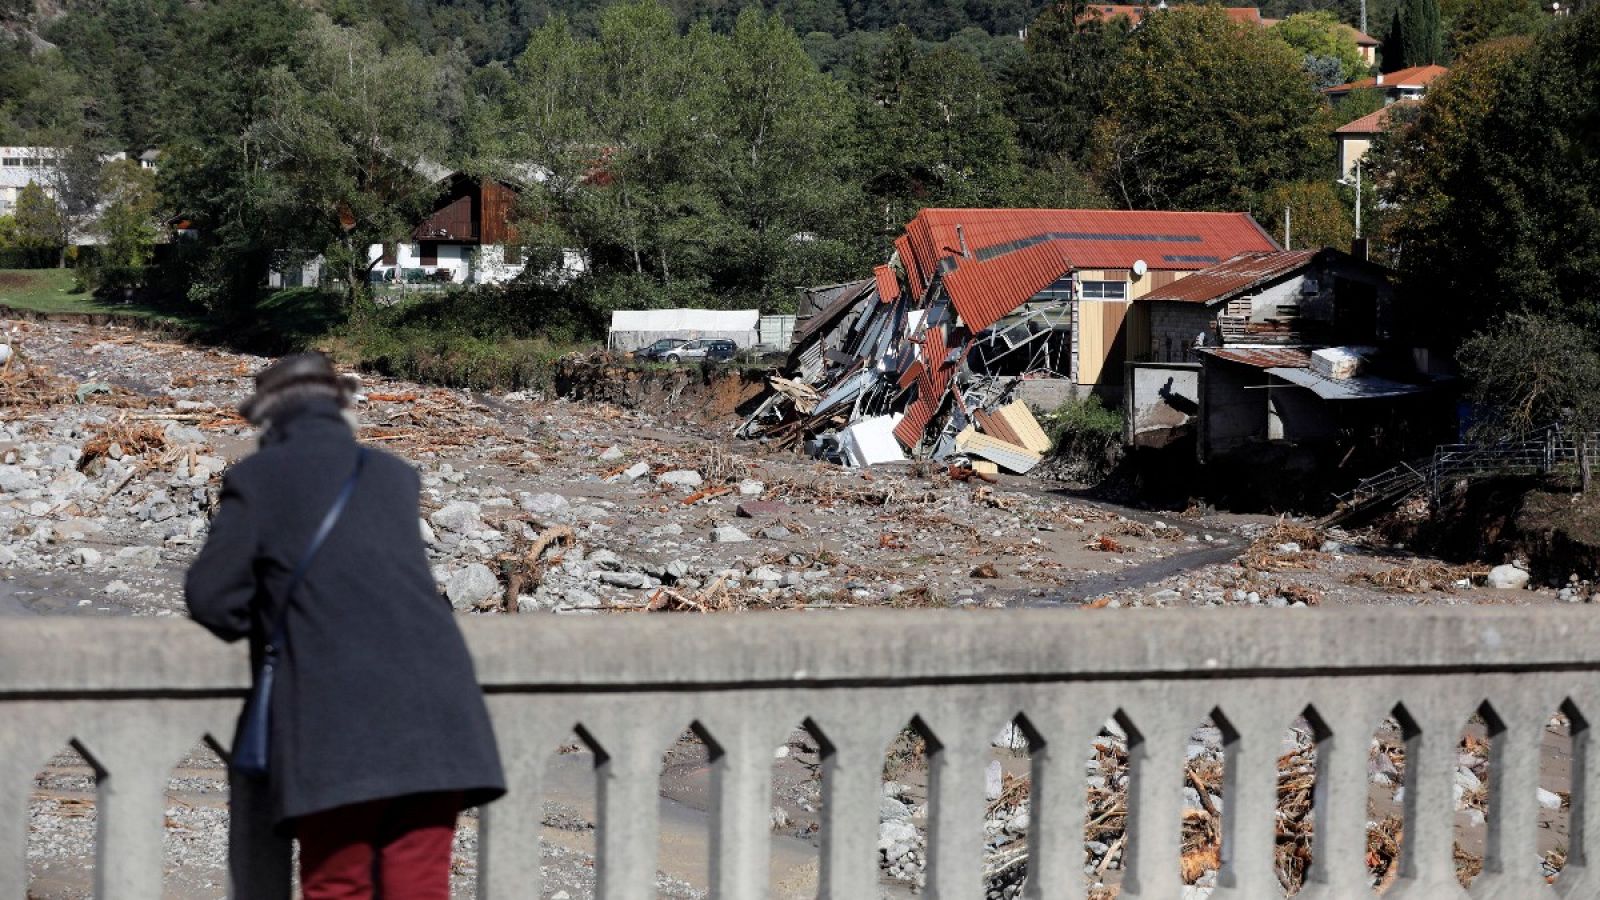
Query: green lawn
[51,291]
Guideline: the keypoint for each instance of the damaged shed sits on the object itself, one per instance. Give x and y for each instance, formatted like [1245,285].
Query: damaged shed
[974,301]
[1268,353]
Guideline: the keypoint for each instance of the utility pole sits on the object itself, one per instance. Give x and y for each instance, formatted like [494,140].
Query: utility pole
[1288,243]
[1358,200]
[1364,17]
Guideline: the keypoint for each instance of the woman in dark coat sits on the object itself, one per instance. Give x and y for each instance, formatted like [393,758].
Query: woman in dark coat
[379,735]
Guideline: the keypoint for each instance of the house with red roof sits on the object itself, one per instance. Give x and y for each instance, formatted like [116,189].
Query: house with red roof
[1404,84]
[1355,139]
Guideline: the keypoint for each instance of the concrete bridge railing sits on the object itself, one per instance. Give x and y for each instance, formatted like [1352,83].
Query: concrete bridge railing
[137,694]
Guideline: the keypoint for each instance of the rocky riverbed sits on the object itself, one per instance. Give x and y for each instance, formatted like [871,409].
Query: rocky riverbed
[113,444]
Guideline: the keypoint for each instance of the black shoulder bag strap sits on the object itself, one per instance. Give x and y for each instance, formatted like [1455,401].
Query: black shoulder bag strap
[251,750]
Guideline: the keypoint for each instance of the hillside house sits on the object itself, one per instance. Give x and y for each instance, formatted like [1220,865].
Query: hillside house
[467,236]
[1404,84]
[1354,140]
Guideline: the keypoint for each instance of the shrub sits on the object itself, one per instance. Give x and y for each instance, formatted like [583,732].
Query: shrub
[1087,438]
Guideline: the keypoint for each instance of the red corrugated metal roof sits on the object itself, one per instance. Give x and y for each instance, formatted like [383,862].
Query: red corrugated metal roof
[984,292]
[902,246]
[1230,278]
[888,284]
[1415,77]
[1092,238]
[1262,358]
[932,382]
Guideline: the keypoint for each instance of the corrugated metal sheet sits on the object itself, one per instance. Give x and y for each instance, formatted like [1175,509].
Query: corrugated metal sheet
[914,273]
[918,415]
[1360,387]
[843,301]
[984,292]
[1233,277]
[1095,238]
[1261,358]
[888,284]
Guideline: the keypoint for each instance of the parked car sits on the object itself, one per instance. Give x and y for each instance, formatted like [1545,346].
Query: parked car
[715,350]
[659,348]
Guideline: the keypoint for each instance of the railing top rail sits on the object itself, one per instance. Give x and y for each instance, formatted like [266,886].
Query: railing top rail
[67,657]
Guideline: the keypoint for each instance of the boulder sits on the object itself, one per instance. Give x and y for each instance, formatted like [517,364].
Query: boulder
[471,586]
[727,534]
[683,479]
[459,517]
[544,504]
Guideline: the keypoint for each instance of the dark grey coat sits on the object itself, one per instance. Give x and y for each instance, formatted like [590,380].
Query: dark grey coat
[375,694]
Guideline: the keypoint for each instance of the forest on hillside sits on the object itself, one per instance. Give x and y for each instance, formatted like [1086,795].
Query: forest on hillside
[691,154]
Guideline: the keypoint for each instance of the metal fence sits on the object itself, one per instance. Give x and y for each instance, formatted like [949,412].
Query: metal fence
[1541,452]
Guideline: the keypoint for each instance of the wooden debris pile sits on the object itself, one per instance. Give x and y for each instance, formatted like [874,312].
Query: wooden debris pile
[1420,577]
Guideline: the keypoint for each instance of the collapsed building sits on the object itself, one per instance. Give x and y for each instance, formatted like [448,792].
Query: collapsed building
[927,358]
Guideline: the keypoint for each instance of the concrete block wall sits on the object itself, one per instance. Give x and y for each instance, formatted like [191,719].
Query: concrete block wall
[136,694]
[1173,327]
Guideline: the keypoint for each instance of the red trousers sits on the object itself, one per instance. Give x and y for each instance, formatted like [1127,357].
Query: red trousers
[394,849]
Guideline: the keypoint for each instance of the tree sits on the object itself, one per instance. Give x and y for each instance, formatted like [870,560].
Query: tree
[1528,370]
[1392,52]
[210,168]
[1421,35]
[684,168]
[1358,103]
[127,224]
[41,229]
[1059,83]
[1319,216]
[1453,221]
[931,131]
[1321,36]
[1473,22]
[1206,113]
[345,149]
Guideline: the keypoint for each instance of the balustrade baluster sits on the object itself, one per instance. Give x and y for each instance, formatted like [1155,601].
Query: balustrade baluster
[852,772]
[1432,729]
[1253,731]
[1511,869]
[1156,742]
[957,752]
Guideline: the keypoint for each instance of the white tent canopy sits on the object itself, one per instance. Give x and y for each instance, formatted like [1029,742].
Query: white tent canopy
[635,328]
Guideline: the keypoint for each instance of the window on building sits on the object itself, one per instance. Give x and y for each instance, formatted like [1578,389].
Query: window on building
[13,161]
[430,253]
[1105,290]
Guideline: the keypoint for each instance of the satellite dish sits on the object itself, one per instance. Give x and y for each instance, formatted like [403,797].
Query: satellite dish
[1140,267]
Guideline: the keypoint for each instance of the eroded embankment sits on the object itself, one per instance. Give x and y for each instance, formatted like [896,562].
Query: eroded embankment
[695,393]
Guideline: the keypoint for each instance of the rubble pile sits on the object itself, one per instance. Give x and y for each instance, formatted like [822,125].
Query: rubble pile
[112,460]
[879,373]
